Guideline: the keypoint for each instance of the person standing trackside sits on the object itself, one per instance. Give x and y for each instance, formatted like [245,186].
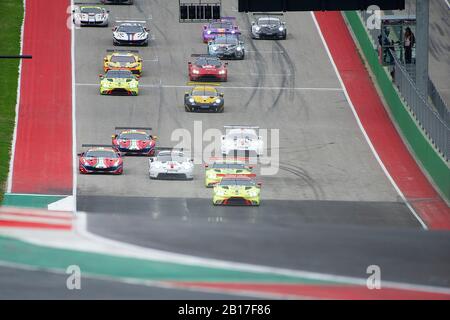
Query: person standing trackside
[409,42]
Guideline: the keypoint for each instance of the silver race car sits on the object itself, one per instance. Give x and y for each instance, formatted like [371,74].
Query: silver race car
[241,141]
[268,26]
[90,16]
[171,164]
[227,47]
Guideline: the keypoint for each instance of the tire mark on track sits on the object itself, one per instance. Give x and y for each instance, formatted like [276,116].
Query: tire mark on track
[318,192]
[260,63]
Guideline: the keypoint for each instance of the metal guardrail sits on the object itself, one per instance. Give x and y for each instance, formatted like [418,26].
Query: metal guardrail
[427,117]
[434,117]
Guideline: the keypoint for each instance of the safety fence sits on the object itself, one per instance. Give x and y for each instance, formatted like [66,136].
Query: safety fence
[431,113]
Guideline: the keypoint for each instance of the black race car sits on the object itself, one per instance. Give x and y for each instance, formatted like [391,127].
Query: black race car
[117,1]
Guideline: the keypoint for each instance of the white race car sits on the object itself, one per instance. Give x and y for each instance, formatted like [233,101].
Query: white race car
[242,140]
[171,164]
[131,33]
[91,16]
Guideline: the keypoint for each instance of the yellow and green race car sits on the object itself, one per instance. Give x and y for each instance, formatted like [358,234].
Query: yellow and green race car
[237,190]
[123,60]
[204,98]
[120,82]
[221,167]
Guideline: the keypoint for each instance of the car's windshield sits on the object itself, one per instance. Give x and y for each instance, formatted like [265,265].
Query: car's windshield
[269,21]
[131,29]
[123,59]
[237,182]
[88,10]
[226,40]
[228,166]
[171,157]
[204,92]
[208,62]
[100,154]
[133,136]
[124,74]
[242,135]
[221,25]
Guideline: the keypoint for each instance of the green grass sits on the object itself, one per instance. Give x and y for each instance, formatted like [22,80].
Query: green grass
[10,24]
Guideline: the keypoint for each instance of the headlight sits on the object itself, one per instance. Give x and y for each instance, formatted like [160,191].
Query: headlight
[195,71]
[233,32]
[133,85]
[191,100]
[222,72]
[214,48]
[281,28]
[257,28]
[220,192]
[218,101]
[252,193]
[208,32]
[239,48]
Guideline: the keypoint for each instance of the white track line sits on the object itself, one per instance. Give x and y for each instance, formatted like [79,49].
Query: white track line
[16,120]
[94,242]
[226,87]
[74,120]
[448,4]
[361,127]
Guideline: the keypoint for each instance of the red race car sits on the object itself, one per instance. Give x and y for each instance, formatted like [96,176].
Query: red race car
[99,158]
[207,67]
[134,141]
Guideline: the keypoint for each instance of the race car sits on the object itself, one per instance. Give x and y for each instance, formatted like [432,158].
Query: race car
[171,164]
[131,33]
[269,26]
[120,82]
[100,158]
[203,98]
[227,47]
[134,141]
[225,166]
[90,16]
[225,25]
[237,190]
[241,141]
[207,67]
[117,1]
[123,60]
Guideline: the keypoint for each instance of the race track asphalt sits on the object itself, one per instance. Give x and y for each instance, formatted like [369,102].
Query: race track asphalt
[330,208]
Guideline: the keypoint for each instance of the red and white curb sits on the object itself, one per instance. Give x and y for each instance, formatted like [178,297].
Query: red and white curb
[11,217]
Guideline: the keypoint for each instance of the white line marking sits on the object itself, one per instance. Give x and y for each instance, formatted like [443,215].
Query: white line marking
[124,249]
[448,4]
[16,120]
[226,87]
[74,120]
[361,127]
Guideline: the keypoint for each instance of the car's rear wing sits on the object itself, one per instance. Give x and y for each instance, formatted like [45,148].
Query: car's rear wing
[133,128]
[122,50]
[96,145]
[236,176]
[204,55]
[268,14]
[236,126]
[232,158]
[159,149]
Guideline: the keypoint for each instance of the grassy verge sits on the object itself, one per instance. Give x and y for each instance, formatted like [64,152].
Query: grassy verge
[10,25]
